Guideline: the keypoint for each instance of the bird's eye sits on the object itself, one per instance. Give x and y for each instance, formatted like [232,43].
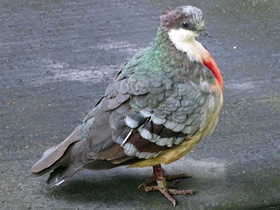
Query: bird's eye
[184,24]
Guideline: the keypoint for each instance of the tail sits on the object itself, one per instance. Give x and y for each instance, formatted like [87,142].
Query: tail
[61,174]
[57,160]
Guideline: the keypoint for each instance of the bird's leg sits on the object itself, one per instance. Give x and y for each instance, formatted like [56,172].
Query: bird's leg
[163,186]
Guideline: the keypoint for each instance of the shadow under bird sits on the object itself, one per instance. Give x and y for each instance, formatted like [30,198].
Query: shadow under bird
[157,108]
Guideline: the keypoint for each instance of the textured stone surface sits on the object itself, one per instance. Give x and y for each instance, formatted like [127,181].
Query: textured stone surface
[56,58]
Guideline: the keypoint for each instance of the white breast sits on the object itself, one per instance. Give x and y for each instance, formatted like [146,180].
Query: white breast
[184,40]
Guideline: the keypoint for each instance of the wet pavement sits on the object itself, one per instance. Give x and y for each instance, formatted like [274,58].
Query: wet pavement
[56,58]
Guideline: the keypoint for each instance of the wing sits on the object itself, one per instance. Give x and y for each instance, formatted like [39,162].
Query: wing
[141,115]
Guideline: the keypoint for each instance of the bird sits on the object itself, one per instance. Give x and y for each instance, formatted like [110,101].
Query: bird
[155,110]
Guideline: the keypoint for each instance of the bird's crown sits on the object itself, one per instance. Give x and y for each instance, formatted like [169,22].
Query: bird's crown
[186,17]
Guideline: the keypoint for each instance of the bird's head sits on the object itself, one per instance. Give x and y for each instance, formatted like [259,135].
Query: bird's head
[182,23]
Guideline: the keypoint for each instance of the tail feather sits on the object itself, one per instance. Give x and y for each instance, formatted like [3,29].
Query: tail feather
[54,154]
[61,174]
[58,160]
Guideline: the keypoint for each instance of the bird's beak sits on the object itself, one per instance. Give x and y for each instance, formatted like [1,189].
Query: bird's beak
[204,33]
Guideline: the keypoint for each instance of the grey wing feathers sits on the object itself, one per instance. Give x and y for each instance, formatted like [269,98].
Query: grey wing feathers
[53,154]
[155,118]
[146,115]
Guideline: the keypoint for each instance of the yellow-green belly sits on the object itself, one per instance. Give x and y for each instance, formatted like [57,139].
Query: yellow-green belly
[170,155]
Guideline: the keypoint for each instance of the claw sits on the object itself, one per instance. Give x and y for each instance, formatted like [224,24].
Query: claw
[177,176]
[167,177]
[166,188]
[173,185]
[167,191]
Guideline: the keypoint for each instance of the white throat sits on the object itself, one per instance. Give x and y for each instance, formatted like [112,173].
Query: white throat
[184,40]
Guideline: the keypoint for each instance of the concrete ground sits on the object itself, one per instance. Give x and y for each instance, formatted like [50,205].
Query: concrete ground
[56,58]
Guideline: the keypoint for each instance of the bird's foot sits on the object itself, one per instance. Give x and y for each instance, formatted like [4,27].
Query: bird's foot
[148,181]
[167,189]
[174,177]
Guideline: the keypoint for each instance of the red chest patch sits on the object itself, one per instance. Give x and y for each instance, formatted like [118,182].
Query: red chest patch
[212,66]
